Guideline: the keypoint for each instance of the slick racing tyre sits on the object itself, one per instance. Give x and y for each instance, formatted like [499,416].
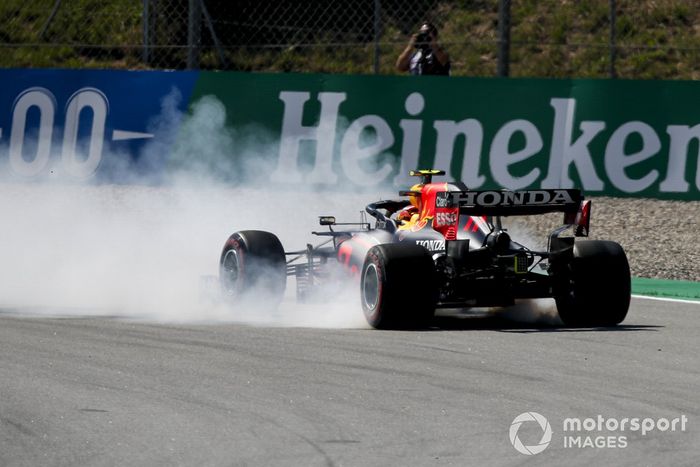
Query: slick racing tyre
[253,267]
[596,288]
[398,286]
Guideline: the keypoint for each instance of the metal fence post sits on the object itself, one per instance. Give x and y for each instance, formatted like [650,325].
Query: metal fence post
[194,34]
[377,33]
[52,15]
[504,38]
[146,31]
[223,63]
[613,45]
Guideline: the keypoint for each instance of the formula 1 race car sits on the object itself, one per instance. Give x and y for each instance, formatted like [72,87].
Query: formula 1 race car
[444,246]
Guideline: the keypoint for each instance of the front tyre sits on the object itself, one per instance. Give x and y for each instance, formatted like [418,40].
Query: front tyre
[398,286]
[596,285]
[252,266]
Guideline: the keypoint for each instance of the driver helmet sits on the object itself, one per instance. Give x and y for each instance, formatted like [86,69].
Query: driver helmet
[416,199]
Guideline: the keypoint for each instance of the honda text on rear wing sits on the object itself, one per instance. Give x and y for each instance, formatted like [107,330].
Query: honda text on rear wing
[520,203]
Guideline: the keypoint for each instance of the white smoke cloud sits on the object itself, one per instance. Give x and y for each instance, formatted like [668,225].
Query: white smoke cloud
[140,251]
[541,311]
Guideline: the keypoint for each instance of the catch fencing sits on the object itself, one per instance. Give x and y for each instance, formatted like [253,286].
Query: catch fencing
[552,38]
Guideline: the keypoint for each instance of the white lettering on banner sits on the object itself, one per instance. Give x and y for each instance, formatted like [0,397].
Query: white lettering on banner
[569,148]
[412,130]
[564,152]
[45,102]
[501,158]
[293,132]
[83,104]
[681,136]
[447,133]
[616,160]
[362,143]
[76,164]
[352,152]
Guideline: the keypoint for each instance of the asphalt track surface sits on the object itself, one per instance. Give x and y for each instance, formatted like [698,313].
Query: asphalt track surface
[101,391]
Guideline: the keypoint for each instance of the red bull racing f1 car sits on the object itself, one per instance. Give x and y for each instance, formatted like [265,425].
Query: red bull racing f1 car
[444,246]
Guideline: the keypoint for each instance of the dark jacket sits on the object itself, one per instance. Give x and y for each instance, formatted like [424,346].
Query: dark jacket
[424,62]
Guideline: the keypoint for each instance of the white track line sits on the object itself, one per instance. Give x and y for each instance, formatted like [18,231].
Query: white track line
[664,299]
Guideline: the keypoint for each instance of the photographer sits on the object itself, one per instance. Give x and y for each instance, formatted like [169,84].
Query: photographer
[423,55]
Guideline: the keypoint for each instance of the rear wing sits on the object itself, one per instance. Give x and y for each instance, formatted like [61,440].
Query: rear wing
[511,203]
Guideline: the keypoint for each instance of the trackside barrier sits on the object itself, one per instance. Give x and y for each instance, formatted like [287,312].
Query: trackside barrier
[617,138]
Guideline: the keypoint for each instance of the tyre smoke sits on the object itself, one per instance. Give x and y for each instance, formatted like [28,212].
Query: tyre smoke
[139,251]
[144,250]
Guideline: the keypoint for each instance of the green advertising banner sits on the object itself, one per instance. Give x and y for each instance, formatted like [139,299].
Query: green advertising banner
[607,137]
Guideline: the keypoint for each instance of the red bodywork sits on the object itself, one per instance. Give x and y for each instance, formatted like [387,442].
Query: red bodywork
[445,220]
[433,224]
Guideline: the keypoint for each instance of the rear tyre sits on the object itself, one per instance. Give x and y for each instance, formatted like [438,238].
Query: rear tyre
[596,286]
[398,286]
[252,266]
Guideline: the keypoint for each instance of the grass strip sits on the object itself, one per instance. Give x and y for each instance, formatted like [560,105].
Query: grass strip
[666,288]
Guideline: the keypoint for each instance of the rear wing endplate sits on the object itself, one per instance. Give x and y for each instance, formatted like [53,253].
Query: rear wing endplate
[511,203]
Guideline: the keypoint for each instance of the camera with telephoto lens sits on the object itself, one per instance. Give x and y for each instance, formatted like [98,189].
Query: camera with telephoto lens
[423,40]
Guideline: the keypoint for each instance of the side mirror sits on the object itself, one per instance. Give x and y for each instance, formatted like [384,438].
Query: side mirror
[326,220]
